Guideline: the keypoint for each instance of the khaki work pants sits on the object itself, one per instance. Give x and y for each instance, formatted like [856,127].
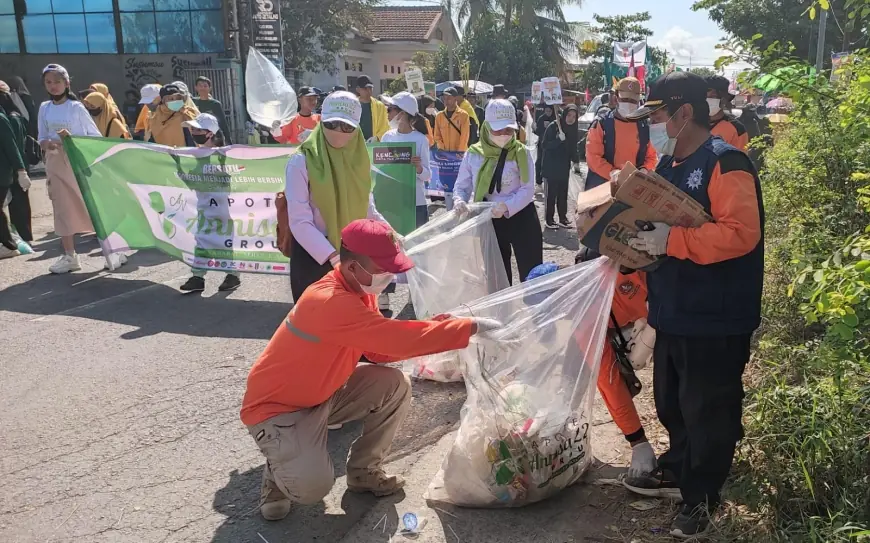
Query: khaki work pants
[294,444]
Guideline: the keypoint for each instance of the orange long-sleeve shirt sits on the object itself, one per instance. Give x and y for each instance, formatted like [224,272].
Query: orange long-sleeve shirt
[448,138]
[298,124]
[315,350]
[732,131]
[627,146]
[736,226]
[143,121]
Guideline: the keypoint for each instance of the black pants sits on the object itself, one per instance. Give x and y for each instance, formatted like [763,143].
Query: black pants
[5,233]
[522,233]
[557,199]
[19,212]
[304,270]
[698,396]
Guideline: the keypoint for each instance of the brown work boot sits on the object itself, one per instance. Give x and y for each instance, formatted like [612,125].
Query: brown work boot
[274,505]
[375,481]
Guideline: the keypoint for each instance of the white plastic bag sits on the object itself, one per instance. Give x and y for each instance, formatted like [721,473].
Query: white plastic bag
[269,97]
[524,434]
[456,260]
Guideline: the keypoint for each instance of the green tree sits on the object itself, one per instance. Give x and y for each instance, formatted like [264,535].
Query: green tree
[786,21]
[703,71]
[315,31]
[618,28]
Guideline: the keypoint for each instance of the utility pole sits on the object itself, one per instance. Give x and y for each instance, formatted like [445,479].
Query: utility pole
[820,46]
[450,45]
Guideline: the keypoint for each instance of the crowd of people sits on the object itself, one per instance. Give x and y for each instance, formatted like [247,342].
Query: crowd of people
[703,300]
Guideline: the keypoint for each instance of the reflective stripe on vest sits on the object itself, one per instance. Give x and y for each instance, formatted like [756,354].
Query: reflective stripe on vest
[299,333]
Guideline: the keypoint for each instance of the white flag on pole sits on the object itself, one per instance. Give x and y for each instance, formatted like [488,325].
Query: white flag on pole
[622,52]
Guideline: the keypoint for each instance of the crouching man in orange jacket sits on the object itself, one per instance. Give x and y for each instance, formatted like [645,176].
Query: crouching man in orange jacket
[308,377]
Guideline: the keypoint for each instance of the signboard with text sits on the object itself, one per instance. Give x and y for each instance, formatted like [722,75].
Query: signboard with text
[266,30]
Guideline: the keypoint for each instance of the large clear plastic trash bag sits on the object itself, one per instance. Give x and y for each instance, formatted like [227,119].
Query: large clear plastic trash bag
[269,97]
[456,260]
[525,427]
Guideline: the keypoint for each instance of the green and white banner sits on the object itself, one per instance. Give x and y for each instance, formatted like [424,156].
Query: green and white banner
[211,208]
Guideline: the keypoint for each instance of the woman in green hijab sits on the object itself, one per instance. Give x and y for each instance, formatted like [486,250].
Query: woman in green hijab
[500,169]
[328,185]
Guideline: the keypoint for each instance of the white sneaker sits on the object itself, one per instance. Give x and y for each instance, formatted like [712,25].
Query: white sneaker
[66,264]
[334,426]
[115,261]
[383,301]
[6,252]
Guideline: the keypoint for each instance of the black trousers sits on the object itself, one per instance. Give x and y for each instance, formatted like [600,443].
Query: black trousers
[557,199]
[698,395]
[19,212]
[5,233]
[304,270]
[522,234]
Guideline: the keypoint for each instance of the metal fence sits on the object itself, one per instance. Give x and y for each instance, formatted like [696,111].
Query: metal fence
[226,87]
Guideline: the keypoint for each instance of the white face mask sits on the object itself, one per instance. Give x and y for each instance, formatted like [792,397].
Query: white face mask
[714,106]
[380,281]
[394,123]
[626,108]
[500,141]
[431,111]
[661,142]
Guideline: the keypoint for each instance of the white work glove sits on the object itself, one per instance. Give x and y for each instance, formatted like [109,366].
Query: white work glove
[304,135]
[460,207]
[499,210]
[485,326]
[614,175]
[643,460]
[561,136]
[276,129]
[24,180]
[654,242]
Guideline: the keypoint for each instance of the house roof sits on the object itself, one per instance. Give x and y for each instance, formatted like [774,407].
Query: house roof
[403,23]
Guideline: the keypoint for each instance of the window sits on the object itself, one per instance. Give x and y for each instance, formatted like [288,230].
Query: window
[439,35]
[8,28]
[63,26]
[392,69]
[385,68]
[167,26]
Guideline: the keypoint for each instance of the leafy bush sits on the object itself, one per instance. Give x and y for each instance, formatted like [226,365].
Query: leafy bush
[803,470]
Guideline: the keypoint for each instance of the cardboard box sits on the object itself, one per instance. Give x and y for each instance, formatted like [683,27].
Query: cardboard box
[611,214]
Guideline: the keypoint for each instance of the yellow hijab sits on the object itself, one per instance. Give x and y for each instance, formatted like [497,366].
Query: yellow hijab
[108,125]
[113,107]
[166,126]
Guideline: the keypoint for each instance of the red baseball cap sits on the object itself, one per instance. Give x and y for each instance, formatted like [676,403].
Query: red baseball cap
[377,241]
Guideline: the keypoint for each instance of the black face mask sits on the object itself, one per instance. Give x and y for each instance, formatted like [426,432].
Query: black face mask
[95,112]
[201,139]
[59,97]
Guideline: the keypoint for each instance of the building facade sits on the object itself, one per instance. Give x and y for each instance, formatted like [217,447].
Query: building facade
[384,50]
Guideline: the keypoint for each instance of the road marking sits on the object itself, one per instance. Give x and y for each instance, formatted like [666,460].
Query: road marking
[109,299]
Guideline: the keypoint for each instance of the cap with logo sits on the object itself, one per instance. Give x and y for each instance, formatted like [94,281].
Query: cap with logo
[501,114]
[306,91]
[377,241]
[673,90]
[170,90]
[364,81]
[341,106]
[150,93]
[628,87]
[204,121]
[407,103]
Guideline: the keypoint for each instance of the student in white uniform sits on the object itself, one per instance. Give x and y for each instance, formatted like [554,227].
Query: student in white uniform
[328,185]
[58,118]
[499,169]
[408,126]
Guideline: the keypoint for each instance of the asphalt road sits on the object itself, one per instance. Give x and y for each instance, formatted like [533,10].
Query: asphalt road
[120,402]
